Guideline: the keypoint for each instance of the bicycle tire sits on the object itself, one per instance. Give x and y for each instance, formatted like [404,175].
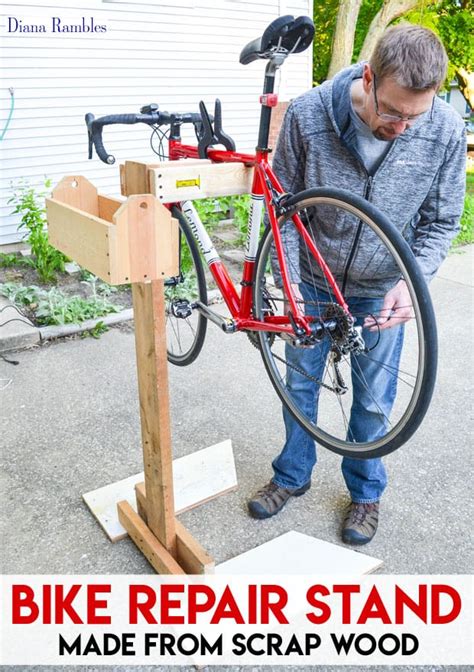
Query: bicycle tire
[185,335]
[355,213]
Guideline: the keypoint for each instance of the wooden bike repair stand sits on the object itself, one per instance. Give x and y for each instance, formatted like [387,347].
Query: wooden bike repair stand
[137,242]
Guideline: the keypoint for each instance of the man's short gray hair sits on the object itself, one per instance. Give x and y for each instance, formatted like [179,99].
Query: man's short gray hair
[412,56]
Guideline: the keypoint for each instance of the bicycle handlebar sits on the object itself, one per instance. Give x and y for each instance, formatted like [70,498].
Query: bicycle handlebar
[95,127]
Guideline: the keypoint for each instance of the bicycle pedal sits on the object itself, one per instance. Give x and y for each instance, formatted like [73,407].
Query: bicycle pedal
[181,308]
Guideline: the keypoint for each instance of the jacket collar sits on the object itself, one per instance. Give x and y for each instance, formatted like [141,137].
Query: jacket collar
[341,98]
[340,103]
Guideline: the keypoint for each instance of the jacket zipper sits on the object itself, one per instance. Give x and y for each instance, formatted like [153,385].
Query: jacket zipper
[367,191]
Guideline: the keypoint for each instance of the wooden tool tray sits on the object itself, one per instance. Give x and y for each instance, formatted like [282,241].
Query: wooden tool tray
[119,241]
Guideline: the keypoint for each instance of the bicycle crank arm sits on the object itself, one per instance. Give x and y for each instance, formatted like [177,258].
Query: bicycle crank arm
[227,325]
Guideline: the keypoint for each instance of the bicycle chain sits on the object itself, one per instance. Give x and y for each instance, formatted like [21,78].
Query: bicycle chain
[253,338]
[304,373]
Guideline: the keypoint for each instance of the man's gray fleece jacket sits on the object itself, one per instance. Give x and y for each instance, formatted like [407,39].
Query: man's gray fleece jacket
[419,185]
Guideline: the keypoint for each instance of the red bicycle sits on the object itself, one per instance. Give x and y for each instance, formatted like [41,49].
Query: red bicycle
[278,319]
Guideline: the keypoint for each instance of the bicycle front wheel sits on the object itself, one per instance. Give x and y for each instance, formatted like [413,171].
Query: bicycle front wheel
[358,400]
[185,325]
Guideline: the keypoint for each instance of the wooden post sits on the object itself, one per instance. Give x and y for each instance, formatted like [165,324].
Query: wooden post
[152,366]
[164,541]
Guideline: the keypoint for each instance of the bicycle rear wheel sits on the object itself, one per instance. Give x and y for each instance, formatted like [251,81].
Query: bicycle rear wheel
[324,387]
[185,325]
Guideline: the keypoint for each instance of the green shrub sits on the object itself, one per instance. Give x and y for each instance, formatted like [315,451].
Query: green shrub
[28,203]
[14,260]
[213,210]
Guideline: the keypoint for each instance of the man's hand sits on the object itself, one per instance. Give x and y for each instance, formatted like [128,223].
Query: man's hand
[397,308]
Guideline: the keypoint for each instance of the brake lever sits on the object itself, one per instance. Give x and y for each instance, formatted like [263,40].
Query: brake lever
[90,118]
[198,130]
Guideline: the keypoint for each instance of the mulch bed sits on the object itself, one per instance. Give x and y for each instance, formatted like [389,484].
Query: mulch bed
[74,285]
[69,284]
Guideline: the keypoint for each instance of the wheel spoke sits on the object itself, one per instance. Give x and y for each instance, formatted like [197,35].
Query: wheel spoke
[185,333]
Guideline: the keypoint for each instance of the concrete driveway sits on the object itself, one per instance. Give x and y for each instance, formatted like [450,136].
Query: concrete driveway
[70,424]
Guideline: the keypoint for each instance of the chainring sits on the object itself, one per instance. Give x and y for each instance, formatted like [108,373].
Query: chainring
[268,310]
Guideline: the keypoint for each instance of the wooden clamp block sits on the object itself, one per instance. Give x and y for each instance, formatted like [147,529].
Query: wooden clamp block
[187,179]
[120,242]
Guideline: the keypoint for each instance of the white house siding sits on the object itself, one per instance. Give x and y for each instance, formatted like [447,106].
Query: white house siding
[173,53]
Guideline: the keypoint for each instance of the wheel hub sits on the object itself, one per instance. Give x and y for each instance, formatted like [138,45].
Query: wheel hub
[341,330]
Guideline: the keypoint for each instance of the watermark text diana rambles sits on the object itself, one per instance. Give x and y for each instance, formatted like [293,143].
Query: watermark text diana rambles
[56,24]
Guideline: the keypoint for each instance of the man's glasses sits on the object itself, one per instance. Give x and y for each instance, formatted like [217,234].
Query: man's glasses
[395,118]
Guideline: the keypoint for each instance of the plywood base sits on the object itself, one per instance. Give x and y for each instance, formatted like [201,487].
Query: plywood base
[200,477]
[300,554]
[197,478]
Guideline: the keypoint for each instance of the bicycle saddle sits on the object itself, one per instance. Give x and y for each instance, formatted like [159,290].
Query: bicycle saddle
[283,34]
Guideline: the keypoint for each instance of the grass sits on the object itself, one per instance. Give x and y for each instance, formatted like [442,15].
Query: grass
[466,234]
[470,182]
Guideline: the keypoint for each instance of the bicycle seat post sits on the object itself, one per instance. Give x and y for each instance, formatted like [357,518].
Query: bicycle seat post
[268,100]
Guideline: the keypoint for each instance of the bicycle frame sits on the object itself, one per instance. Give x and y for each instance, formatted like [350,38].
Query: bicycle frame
[240,306]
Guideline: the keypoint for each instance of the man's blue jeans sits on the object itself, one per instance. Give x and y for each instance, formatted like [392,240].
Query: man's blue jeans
[366,479]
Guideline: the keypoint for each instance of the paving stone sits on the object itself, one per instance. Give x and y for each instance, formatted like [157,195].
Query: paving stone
[71,267]
[237,256]
[227,236]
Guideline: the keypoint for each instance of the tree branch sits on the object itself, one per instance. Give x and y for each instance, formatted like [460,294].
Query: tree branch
[343,43]
[391,9]
[466,84]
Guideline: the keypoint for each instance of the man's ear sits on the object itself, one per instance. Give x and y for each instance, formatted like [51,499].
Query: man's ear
[367,78]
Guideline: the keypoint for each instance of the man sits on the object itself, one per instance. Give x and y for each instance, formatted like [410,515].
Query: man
[377,123]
